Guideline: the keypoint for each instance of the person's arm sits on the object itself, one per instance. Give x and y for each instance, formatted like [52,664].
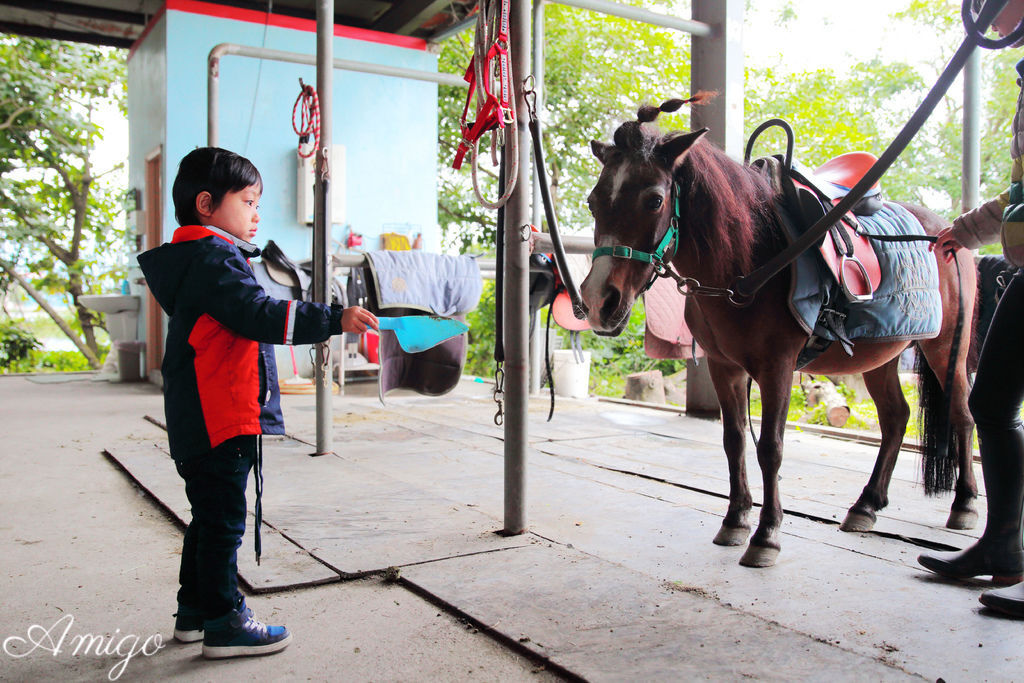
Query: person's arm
[230,295]
[981,225]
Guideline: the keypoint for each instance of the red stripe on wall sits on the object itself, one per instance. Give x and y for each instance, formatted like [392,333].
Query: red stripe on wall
[254,16]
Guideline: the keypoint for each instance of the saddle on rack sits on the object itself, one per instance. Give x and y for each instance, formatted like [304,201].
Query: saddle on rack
[283,271]
[283,278]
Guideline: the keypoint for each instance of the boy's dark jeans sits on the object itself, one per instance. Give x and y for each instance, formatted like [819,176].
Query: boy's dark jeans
[215,486]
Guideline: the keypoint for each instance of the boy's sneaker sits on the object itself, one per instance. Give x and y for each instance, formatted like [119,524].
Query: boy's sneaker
[238,634]
[188,625]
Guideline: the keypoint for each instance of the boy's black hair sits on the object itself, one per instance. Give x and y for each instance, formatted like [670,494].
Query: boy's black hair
[213,170]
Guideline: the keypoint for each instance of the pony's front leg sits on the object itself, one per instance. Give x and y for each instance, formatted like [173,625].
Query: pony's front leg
[764,544]
[731,386]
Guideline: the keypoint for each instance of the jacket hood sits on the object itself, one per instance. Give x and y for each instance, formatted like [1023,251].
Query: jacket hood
[165,267]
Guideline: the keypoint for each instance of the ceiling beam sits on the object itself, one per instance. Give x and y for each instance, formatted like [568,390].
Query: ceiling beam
[35,31]
[77,10]
[407,16]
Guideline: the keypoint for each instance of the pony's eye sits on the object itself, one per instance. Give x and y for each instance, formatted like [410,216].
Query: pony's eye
[654,203]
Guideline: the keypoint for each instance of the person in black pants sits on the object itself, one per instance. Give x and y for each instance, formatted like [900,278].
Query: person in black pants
[998,391]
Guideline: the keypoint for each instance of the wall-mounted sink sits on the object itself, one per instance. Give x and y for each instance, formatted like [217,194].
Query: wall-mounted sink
[122,312]
[111,303]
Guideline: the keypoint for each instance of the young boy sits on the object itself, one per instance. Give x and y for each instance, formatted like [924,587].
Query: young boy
[220,385]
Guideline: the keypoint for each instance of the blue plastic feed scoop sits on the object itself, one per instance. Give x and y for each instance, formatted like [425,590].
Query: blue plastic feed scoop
[417,333]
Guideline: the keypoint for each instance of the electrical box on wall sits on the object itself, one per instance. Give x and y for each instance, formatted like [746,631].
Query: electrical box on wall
[307,176]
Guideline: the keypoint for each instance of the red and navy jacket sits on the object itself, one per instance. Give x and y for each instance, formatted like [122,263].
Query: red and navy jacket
[219,372]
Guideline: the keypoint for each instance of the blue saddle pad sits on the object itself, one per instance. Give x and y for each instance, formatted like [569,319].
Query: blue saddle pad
[906,304]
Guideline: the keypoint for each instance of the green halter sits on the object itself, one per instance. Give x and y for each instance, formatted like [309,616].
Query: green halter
[658,257]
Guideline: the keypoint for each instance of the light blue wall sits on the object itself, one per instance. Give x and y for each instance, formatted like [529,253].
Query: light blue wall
[388,125]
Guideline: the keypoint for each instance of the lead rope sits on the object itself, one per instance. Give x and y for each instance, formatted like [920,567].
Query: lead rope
[499,308]
[257,541]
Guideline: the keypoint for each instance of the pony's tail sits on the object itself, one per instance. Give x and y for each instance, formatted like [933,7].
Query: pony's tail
[939,441]
[649,112]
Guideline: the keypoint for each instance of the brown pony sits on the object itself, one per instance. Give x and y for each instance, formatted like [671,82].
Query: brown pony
[727,227]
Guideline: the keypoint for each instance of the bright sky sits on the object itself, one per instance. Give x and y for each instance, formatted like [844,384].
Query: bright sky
[833,34]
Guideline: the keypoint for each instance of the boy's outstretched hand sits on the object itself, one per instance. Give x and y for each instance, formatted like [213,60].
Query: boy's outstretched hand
[357,319]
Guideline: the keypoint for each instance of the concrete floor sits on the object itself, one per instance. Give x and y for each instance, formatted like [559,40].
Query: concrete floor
[617,578]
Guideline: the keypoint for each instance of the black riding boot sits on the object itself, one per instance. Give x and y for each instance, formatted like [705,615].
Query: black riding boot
[999,551]
[1009,600]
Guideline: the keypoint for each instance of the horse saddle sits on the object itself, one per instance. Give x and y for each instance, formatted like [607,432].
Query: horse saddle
[809,195]
[284,274]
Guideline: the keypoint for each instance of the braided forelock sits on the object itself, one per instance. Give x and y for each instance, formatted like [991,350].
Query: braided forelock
[648,113]
[636,138]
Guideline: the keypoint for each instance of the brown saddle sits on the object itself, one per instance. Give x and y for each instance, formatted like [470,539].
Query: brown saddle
[848,254]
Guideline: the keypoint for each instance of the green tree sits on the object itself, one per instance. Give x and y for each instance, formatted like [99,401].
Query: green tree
[58,214]
[865,107]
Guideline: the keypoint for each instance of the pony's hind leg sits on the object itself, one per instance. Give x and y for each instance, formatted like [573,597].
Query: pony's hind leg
[963,512]
[883,384]
[731,386]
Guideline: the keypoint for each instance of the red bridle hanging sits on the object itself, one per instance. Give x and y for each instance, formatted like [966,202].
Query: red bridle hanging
[490,79]
[309,125]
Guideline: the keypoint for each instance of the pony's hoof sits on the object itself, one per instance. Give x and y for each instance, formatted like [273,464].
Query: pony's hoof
[732,535]
[857,521]
[962,519]
[759,556]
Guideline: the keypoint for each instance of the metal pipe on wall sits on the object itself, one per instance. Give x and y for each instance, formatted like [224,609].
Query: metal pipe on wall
[322,215]
[517,324]
[645,16]
[225,49]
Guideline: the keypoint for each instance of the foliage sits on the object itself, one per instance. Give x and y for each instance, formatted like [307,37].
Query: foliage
[480,341]
[59,216]
[15,343]
[39,360]
[865,107]
[613,358]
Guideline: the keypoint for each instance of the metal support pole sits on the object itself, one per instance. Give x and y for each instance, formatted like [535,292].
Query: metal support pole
[716,64]
[322,214]
[971,157]
[517,213]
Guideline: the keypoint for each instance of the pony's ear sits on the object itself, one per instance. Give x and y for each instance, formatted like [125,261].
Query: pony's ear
[599,149]
[673,150]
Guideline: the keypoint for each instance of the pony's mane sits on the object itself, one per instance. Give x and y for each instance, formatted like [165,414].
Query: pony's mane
[726,207]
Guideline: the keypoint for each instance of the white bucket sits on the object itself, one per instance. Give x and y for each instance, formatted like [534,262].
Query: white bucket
[572,379]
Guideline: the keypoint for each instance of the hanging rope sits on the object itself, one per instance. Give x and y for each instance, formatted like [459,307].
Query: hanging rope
[490,79]
[308,125]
